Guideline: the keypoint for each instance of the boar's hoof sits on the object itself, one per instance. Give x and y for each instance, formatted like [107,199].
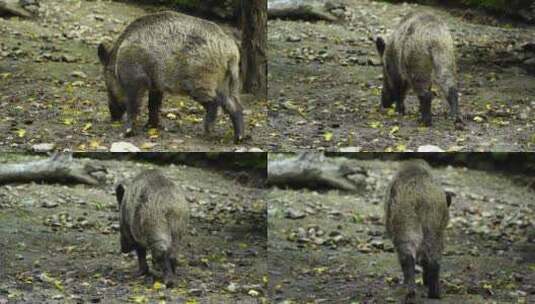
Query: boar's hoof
[169,283]
[238,139]
[410,298]
[459,124]
[129,132]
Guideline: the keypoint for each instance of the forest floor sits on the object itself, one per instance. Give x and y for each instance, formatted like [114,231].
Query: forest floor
[325,84]
[52,90]
[337,252]
[60,244]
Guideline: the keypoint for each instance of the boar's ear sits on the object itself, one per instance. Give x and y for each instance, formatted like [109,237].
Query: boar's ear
[119,193]
[449,195]
[380,44]
[104,53]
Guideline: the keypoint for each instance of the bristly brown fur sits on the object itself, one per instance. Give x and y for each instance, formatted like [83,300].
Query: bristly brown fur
[153,216]
[416,216]
[169,52]
[419,51]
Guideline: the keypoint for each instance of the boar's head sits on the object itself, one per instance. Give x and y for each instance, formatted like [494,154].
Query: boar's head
[386,95]
[116,96]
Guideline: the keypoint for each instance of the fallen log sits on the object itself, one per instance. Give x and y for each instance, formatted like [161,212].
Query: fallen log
[14,8]
[315,170]
[300,9]
[60,167]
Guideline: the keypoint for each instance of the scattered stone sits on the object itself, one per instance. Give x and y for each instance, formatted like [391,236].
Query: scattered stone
[349,149]
[123,146]
[79,74]
[195,292]
[293,39]
[429,148]
[232,287]
[294,214]
[49,204]
[43,147]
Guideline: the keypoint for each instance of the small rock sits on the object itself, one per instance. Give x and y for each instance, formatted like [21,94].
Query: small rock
[349,149]
[293,39]
[373,61]
[123,146]
[294,214]
[43,147]
[49,204]
[195,292]
[79,74]
[68,58]
[253,293]
[429,148]
[232,287]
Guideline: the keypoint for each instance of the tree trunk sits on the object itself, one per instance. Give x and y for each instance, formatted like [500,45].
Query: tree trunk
[13,7]
[58,168]
[315,170]
[254,47]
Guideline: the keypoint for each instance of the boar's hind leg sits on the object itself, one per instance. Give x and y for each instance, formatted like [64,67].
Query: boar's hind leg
[433,279]
[425,99]
[407,261]
[232,106]
[155,103]
[142,260]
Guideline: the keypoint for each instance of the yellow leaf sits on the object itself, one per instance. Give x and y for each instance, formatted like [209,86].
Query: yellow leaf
[153,133]
[68,121]
[87,126]
[57,284]
[82,147]
[265,279]
[375,124]
[478,119]
[157,286]
[391,112]
[401,148]
[488,106]
[148,145]
[191,301]
[171,116]
[138,299]
[328,136]
[320,270]
[21,132]
[394,130]
[94,144]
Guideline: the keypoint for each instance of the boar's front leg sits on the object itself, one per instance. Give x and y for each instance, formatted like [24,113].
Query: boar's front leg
[133,96]
[155,103]
[210,117]
[142,260]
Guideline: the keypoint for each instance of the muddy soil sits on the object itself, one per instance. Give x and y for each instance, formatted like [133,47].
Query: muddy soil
[52,91]
[70,253]
[338,252]
[325,84]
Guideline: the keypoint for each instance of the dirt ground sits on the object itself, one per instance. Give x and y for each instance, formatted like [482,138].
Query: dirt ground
[324,85]
[52,91]
[68,251]
[338,253]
